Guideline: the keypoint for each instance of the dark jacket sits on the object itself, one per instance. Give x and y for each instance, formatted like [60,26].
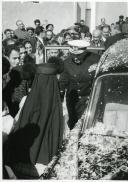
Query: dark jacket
[77,77]
[21,78]
[78,81]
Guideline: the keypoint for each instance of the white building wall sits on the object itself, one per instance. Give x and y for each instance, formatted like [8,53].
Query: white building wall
[111,11]
[61,14]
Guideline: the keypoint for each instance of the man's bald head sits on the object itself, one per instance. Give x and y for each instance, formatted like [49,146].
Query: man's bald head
[20,24]
[96,35]
[106,31]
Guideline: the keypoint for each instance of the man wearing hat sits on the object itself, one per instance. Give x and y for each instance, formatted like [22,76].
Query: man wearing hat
[120,22]
[37,23]
[76,80]
[125,27]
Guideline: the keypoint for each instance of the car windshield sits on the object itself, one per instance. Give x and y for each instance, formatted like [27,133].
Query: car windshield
[109,102]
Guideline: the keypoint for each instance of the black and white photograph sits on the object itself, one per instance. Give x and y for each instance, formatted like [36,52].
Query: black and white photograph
[64,90]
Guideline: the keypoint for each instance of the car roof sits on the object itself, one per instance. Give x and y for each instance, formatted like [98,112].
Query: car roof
[114,59]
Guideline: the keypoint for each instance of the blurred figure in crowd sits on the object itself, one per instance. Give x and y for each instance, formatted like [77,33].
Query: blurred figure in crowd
[115,29]
[49,37]
[14,56]
[96,42]
[22,53]
[82,28]
[14,81]
[32,38]
[67,37]
[103,24]
[97,38]
[13,36]
[125,27]
[105,33]
[37,23]
[39,54]
[28,47]
[17,87]
[50,27]
[88,37]
[40,34]
[7,34]
[120,22]
[20,32]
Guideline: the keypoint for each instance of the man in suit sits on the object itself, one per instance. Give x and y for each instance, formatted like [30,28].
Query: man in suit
[76,80]
[96,44]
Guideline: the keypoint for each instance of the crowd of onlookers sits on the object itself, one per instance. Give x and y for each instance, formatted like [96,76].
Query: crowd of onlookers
[33,39]
[23,49]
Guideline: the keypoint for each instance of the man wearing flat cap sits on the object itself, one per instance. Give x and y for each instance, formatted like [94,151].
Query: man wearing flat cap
[76,80]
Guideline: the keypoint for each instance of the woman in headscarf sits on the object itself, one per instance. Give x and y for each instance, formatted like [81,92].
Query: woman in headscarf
[42,109]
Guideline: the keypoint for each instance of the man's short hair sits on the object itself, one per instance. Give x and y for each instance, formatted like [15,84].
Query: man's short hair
[7,30]
[65,34]
[20,45]
[54,42]
[10,49]
[38,30]
[121,16]
[49,25]
[30,28]
[49,31]
[27,42]
[5,65]
[36,21]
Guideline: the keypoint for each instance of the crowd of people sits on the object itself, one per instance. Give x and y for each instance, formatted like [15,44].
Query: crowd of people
[33,89]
